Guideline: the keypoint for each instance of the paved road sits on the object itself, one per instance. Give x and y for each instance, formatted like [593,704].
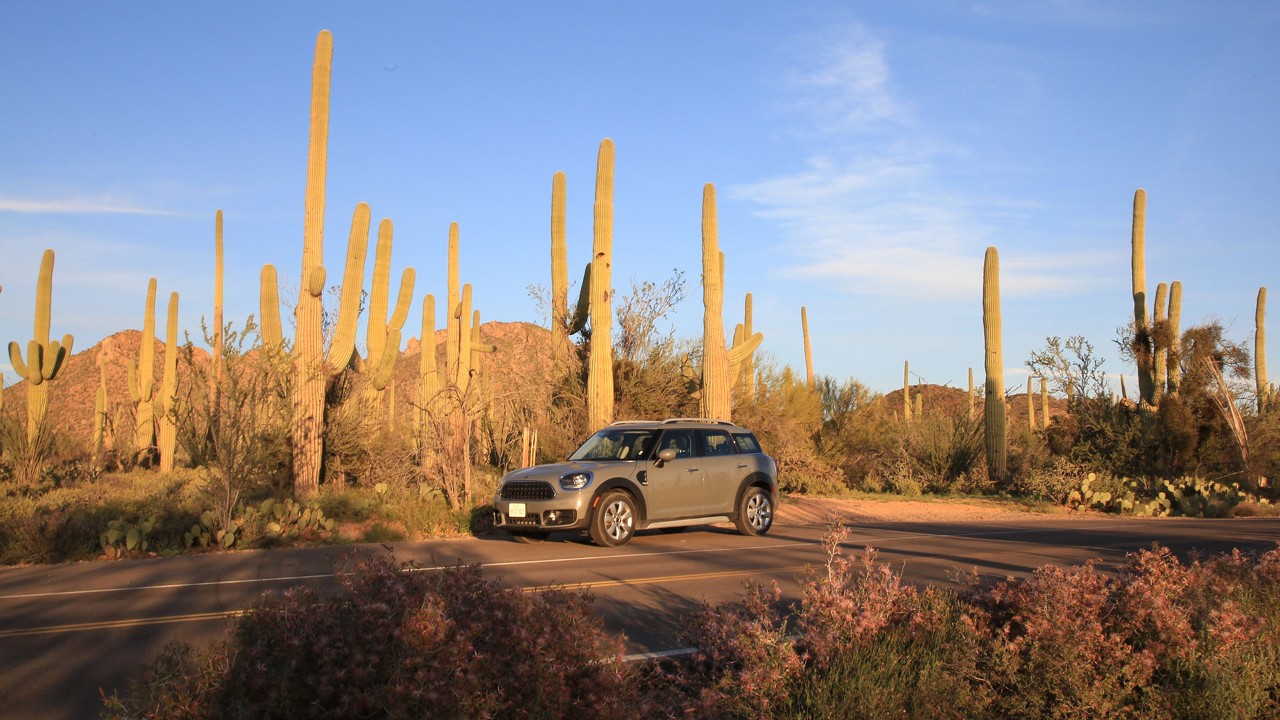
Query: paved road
[66,631]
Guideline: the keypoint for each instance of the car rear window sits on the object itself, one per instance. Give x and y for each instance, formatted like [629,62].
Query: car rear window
[746,443]
[717,442]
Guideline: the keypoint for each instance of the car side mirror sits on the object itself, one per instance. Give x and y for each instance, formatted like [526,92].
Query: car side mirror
[668,454]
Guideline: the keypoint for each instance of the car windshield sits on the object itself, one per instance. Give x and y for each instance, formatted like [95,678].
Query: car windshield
[615,444]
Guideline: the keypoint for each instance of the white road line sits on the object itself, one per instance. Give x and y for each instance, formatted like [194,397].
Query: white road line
[896,536]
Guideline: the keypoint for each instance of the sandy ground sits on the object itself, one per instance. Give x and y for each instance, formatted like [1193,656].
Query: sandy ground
[816,511]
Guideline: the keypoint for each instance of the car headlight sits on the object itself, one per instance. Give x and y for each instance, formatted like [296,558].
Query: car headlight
[575,481]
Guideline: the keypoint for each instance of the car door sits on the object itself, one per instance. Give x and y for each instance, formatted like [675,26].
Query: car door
[674,488]
[722,470]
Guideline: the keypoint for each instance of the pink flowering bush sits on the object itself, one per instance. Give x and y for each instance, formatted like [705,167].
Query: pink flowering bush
[394,644]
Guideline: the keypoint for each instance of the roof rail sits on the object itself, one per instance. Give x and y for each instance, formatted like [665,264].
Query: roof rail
[630,422]
[709,421]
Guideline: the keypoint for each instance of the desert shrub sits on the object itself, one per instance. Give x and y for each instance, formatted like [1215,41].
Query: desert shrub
[943,449]
[397,644]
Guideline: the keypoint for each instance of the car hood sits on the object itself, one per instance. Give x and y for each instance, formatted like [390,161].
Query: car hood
[601,469]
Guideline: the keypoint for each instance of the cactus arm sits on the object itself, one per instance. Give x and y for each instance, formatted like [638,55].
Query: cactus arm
[1160,343]
[744,350]
[269,308]
[583,306]
[344,336]
[376,332]
[463,373]
[404,298]
[1260,348]
[15,359]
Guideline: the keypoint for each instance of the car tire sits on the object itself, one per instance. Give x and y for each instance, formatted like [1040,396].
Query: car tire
[614,521]
[755,511]
[526,536]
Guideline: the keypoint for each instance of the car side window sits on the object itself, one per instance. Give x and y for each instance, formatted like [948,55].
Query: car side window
[680,440]
[716,442]
[746,443]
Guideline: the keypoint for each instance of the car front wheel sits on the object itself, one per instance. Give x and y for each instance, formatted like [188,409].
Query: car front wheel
[755,512]
[614,521]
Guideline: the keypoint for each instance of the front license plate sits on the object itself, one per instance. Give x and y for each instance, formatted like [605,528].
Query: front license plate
[516,510]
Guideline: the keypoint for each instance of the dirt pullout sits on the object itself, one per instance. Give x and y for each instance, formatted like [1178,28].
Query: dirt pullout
[812,511]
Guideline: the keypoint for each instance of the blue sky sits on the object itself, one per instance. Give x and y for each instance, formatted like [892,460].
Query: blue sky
[864,153]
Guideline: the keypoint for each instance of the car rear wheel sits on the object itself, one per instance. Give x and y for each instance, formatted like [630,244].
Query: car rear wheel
[614,521]
[755,512]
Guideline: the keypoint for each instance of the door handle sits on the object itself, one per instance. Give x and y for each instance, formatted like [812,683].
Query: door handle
[692,470]
[743,467]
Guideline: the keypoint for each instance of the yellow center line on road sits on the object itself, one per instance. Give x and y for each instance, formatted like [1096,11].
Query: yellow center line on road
[127,623]
[594,585]
[231,614]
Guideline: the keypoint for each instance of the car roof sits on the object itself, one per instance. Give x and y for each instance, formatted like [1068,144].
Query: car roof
[679,422]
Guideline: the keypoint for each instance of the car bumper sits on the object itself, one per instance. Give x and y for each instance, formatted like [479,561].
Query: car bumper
[565,512]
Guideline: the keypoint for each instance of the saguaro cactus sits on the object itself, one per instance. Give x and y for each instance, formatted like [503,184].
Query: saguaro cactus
[749,362]
[313,368]
[141,378]
[906,390]
[1260,348]
[217,299]
[997,448]
[269,309]
[169,388]
[1175,338]
[808,351]
[563,324]
[1142,349]
[100,423]
[45,358]
[382,336]
[600,360]
[1160,342]
[718,363]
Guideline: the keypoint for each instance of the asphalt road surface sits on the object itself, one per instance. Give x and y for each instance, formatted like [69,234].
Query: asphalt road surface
[68,631]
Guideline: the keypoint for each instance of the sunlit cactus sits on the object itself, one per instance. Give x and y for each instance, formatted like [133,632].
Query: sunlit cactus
[1260,348]
[600,358]
[45,359]
[141,378]
[994,412]
[1142,350]
[169,389]
[808,351]
[906,390]
[1174,359]
[749,362]
[1159,342]
[382,337]
[718,363]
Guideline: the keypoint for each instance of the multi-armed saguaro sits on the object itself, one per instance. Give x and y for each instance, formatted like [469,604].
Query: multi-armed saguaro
[719,364]
[313,369]
[45,358]
[997,449]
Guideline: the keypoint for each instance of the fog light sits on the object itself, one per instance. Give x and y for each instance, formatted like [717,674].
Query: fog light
[559,517]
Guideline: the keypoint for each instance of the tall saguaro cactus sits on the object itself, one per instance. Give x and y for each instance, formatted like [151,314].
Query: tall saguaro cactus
[995,430]
[600,359]
[313,368]
[562,323]
[718,362]
[1174,358]
[217,299]
[142,378]
[748,362]
[1142,346]
[1260,348]
[382,337]
[808,352]
[1160,343]
[45,358]
[169,388]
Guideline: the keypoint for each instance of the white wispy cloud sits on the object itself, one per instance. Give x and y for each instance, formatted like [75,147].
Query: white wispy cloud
[102,205]
[872,208]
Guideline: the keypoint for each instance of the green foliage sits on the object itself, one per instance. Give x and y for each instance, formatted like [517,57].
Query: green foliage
[124,538]
[943,449]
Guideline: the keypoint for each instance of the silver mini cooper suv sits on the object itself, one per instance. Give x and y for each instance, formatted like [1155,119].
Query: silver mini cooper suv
[637,475]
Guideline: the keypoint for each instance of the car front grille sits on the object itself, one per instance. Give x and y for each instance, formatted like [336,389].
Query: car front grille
[523,490]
